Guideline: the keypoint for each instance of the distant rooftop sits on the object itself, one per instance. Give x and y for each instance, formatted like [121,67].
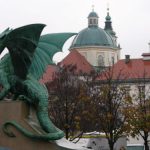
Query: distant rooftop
[75,58]
[134,69]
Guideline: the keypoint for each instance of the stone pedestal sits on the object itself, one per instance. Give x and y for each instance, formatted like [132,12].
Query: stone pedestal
[19,111]
[25,116]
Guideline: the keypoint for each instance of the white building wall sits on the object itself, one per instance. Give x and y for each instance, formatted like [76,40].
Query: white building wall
[91,54]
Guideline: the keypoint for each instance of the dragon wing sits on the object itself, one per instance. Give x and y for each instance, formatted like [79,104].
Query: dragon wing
[21,43]
[48,45]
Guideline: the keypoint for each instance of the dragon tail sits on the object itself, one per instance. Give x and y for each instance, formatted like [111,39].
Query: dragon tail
[27,133]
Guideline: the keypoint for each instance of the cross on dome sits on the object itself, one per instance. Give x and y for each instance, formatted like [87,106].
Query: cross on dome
[93,7]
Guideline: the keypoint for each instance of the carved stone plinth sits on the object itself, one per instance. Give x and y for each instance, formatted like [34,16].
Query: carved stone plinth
[25,116]
[19,111]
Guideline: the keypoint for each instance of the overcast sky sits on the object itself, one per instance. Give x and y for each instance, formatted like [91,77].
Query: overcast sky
[130,19]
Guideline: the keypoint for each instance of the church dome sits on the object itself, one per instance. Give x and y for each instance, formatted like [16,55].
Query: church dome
[93,14]
[93,36]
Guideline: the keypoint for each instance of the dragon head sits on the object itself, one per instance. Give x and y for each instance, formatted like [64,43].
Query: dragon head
[3,36]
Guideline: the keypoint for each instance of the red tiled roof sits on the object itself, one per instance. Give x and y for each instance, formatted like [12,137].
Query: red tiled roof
[134,69]
[146,54]
[47,76]
[75,58]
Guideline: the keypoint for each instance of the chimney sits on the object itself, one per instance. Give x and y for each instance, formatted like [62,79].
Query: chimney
[127,59]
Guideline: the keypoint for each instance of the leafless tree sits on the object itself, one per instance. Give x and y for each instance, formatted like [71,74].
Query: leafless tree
[110,100]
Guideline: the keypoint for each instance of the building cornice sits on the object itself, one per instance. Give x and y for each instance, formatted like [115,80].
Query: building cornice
[102,47]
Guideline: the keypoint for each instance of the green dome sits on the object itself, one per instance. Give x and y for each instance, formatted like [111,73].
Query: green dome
[93,36]
[93,14]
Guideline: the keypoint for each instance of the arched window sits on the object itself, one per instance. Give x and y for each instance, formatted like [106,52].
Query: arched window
[112,60]
[100,60]
[94,21]
[90,22]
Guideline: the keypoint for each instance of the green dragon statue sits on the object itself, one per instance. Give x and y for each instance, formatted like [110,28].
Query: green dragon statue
[21,68]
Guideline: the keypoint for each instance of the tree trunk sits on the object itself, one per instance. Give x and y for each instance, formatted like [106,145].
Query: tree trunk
[111,145]
[67,133]
[146,140]
[146,145]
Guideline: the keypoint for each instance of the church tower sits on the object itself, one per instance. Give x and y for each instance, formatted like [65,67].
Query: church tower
[108,27]
[97,45]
